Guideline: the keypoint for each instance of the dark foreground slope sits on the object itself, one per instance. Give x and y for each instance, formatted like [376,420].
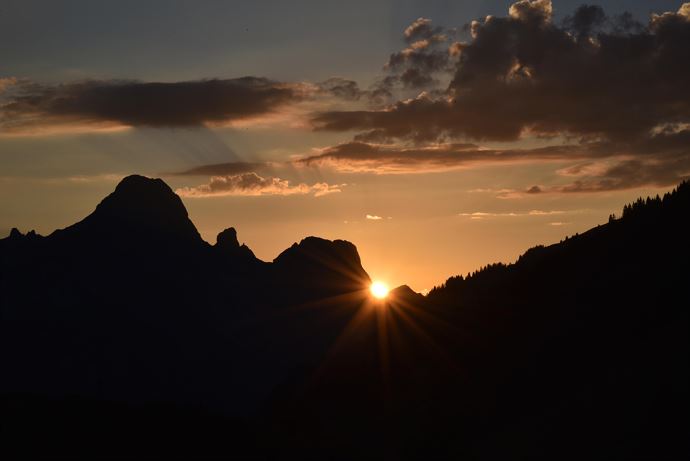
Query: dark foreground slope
[127,334]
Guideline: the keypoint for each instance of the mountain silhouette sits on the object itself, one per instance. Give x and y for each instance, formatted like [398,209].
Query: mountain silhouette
[141,212]
[126,334]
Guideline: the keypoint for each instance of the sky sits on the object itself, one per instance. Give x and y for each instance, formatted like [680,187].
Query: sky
[437,136]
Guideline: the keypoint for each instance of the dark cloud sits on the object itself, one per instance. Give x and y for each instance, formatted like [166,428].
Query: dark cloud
[631,174]
[586,21]
[414,78]
[661,160]
[381,93]
[133,103]
[421,58]
[616,90]
[525,74]
[341,88]
[421,119]
[389,159]
[427,53]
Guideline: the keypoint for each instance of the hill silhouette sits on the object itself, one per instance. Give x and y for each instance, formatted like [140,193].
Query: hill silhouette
[127,334]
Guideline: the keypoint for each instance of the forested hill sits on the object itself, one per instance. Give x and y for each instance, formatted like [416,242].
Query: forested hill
[585,344]
[648,217]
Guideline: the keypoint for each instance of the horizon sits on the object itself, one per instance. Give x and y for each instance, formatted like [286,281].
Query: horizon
[380,286]
[337,122]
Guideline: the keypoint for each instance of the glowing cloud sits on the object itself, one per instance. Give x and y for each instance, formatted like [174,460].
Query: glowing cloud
[251,184]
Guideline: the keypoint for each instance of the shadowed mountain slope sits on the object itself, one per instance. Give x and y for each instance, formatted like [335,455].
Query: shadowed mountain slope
[127,334]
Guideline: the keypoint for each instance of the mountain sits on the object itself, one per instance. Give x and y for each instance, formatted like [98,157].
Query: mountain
[126,334]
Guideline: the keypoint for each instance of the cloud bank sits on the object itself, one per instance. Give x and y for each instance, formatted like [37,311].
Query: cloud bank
[613,88]
[591,76]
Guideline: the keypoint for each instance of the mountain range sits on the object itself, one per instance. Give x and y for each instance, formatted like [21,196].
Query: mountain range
[127,334]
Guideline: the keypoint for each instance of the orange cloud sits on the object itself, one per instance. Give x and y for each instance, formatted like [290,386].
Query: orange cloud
[251,184]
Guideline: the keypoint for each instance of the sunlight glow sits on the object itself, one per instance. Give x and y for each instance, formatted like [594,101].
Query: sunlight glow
[379,290]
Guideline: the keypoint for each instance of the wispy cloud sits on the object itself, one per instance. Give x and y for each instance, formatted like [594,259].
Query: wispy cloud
[363,157]
[251,184]
[480,215]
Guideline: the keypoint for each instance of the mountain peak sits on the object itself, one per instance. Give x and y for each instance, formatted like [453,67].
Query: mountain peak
[228,239]
[139,193]
[315,255]
[404,293]
[227,243]
[315,247]
[141,208]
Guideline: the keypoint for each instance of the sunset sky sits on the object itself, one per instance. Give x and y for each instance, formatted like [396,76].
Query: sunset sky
[437,136]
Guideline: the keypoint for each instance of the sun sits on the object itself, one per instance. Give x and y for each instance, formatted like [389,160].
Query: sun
[379,290]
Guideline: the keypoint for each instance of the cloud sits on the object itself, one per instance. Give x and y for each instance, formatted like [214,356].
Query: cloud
[374,217]
[153,104]
[477,215]
[612,90]
[610,93]
[361,157]
[420,29]
[683,14]
[481,215]
[427,53]
[6,83]
[631,174]
[31,108]
[618,174]
[585,21]
[593,76]
[251,184]
[341,88]
[500,193]
[659,160]
[536,11]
